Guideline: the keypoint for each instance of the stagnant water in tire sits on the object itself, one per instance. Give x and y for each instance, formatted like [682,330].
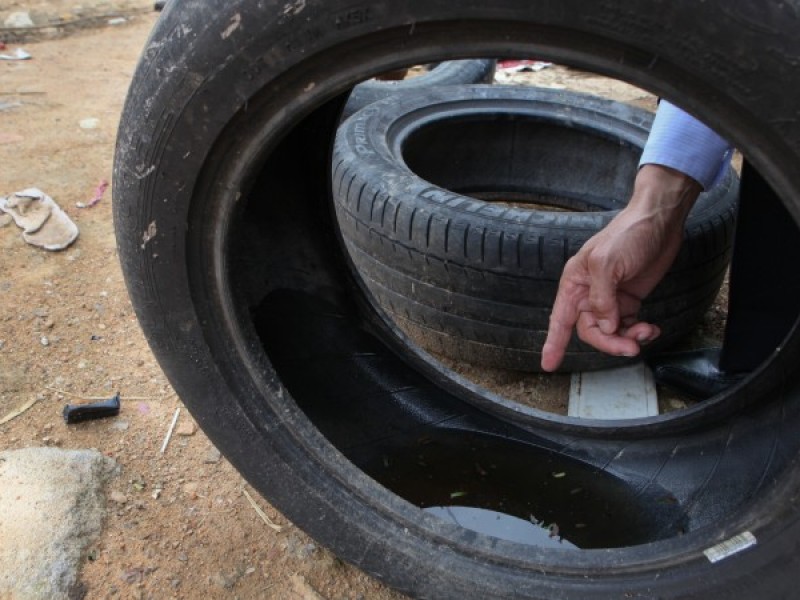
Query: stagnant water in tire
[441,454]
[534,496]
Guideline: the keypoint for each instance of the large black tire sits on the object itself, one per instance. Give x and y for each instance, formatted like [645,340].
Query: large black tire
[226,240]
[473,279]
[451,72]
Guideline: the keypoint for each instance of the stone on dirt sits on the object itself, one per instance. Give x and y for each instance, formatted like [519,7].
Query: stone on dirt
[302,588]
[118,497]
[51,509]
[213,456]
[186,429]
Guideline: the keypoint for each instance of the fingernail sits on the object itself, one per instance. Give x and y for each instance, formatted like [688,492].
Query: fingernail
[605,326]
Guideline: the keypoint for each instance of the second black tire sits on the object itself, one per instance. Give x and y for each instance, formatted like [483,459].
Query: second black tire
[450,72]
[460,206]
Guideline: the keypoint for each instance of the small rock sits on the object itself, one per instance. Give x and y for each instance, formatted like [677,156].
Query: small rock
[222,581]
[213,456]
[136,575]
[186,429]
[90,123]
[303,589]
[118,497]
[120,426]
[44,341]
[18,19]
[117,21]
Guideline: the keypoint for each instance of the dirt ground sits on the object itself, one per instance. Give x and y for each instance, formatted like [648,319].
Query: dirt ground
[180,523]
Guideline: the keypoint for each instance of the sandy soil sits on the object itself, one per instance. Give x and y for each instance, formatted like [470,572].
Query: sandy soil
[180,523]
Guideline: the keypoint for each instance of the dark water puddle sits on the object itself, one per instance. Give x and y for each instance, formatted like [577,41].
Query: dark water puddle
[553,496]
[440,453]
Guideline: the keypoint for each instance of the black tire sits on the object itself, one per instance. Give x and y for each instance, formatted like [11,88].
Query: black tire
[226,240]
[475,280]
[451,72]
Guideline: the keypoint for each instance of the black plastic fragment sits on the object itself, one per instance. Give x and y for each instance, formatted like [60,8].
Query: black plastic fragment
[87,412]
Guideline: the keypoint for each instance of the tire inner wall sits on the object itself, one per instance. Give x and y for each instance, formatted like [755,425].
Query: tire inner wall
[576,169]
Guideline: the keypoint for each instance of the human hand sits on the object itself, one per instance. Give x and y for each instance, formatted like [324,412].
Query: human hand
[603,285]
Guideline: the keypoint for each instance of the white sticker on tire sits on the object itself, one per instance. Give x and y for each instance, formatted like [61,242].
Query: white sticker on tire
[734,545]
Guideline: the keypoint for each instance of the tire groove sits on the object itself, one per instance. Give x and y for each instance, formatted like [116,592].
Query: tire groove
[349,196]
[428,231]
[411,224]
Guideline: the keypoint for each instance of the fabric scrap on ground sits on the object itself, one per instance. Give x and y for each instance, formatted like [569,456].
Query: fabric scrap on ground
[43,222]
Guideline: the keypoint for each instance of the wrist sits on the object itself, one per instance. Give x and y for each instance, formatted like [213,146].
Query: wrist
[660,190]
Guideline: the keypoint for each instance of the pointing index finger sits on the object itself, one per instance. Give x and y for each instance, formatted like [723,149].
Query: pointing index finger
[562,321]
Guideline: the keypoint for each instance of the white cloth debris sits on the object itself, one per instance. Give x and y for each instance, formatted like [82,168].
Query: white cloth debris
[43,222]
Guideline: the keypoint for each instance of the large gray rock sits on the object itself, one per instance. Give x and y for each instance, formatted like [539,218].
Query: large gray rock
[51,509]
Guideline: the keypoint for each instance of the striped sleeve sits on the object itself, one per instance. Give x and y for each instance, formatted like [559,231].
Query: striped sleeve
[679,141]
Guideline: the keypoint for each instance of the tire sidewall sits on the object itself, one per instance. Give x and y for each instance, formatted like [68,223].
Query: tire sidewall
[156,208]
